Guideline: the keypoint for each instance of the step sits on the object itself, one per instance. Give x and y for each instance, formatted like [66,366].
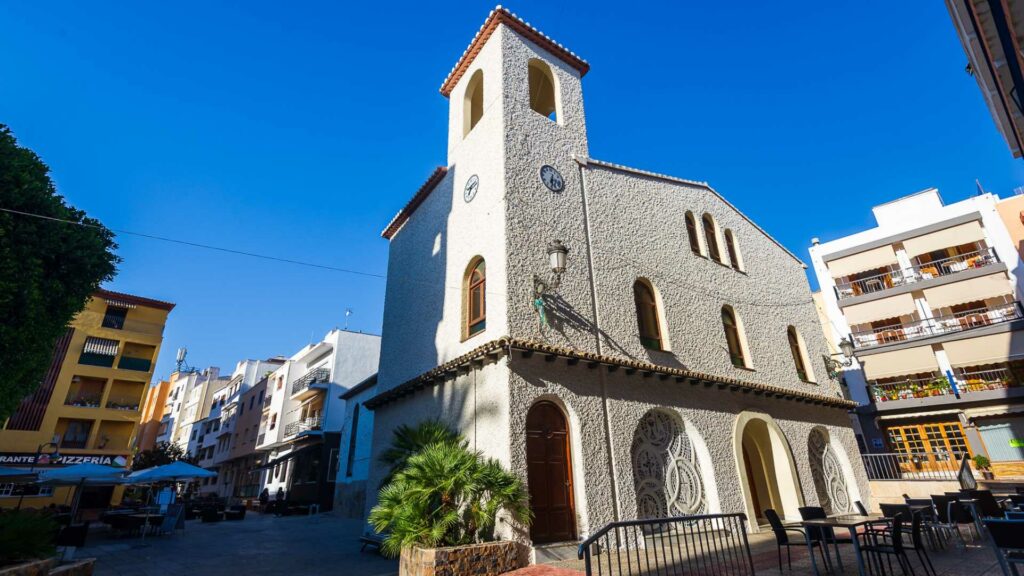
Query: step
[555,552]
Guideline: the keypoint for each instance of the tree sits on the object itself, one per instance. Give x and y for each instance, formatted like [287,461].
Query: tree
[162,453]
[447,495]
[408,440]
[48,269]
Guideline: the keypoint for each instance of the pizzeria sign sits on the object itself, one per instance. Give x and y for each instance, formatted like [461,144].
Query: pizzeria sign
[17,459]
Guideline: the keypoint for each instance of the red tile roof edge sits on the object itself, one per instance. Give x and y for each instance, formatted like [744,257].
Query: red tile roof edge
[417,199]
[137,300]
[501,15]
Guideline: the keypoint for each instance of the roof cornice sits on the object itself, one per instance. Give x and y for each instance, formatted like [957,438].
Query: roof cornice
[421,195]
[131,298]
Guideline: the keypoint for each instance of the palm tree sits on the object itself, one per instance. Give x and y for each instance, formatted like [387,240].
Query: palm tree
[447,495]
[409,440]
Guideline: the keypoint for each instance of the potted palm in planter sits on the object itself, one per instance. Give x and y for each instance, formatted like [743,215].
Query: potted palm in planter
[982,464]
[439,512]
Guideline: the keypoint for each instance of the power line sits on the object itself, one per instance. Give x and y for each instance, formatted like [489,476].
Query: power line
[198,245]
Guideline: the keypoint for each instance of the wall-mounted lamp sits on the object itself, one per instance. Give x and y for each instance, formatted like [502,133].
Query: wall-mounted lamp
[557,255]
[834,366]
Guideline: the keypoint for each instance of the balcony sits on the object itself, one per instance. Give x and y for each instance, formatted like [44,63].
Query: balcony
[311,424]
[970,381]
[130,363]
[909,388]
[949,324]
[120,322]
[892,276]
[310,379]
[84,400]
[267,401]
[977,379]
[126,403]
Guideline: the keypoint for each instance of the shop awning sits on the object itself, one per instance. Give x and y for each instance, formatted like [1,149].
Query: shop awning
[288,456]
[101,346]
[991,286]
[899,363]
[918,415]
[985,349]
[891,307]
[862,261]
[998,410]
[948,238]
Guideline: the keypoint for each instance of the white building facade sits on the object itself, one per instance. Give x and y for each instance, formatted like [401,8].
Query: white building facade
[675,369]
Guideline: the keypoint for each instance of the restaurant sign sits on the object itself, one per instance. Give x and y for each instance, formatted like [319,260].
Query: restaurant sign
[19,459]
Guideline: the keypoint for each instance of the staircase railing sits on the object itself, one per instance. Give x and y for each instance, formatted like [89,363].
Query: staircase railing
[704,544]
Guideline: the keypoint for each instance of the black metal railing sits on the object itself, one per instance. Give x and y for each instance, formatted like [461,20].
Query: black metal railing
[312,377]
[912,465]
[704,544]
[303,425]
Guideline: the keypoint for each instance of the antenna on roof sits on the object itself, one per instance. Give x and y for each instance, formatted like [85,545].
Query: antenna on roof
[348,312]
[179,359]
[981,190]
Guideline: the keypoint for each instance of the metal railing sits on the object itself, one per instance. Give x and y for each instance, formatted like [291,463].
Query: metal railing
[84,400]
[123,403]
[934,385]
[267,400]
[912,466]
[953,264]
[303,425]
[312,377]
[982,380]
[704,544]
[947,324]
[889,279]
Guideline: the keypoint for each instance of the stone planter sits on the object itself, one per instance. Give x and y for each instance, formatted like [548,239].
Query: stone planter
[487,559]
[30,568]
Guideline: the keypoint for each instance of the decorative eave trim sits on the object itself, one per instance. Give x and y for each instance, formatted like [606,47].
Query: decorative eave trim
[506,344]
[421,195]
[132,299]
[500,15]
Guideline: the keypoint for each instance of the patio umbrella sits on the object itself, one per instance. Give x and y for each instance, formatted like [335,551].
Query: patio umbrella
[81,475]
[16,474]
[174,472]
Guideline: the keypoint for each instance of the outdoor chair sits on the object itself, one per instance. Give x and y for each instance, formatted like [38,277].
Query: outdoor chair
[987,505]
[950,515]
[926,509]
[917,527]
[1008,539]
[171,518]
[860,508]
[1012,515]
[782,539]
[874,549]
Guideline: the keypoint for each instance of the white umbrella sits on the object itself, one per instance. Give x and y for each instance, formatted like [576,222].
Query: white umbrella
[173,472]
[81,475]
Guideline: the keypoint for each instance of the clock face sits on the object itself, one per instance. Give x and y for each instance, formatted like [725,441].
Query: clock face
[472,185]
[551,178]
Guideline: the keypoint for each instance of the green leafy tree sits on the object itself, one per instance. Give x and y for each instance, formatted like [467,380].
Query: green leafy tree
[25,535]
[48,269]
[160,454]
[447,495]
[408,440]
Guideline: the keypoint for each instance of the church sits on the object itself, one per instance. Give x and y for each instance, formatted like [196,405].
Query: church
[628,342]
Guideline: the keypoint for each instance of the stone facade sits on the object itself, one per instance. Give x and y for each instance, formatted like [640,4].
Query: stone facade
[620,225]
[487,559]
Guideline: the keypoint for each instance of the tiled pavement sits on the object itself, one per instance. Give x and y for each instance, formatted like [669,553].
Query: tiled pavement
[256,546]
[327,545]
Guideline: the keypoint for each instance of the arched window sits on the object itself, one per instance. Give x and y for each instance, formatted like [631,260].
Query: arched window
[476,301]
[647,316]
[734,337]
[542,90]
[734,252]
[473,103]
[800,360]
[691,232]
[711,237]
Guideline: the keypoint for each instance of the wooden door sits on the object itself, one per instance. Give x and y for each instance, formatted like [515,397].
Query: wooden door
[549,474]
[930,447]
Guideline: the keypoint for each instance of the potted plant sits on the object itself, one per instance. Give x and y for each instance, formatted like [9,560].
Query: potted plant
[982,464]
[439,511]
[26,542]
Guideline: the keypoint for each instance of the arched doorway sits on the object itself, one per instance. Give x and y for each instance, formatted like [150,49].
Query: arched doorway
[766,468]
[549,474]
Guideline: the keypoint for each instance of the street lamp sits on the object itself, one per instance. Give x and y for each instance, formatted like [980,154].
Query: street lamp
[557,255]
[39,454]
[835,366]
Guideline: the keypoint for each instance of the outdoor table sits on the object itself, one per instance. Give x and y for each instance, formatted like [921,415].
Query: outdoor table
[849,521]
[972,504]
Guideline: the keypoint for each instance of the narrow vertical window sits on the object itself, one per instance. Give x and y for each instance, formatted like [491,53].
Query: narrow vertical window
[733,338]
[711,238]
[476,299]
[542,90]
[691,233]
[647,316]
[473,103]
[797,352]
[734,253]
[350,460]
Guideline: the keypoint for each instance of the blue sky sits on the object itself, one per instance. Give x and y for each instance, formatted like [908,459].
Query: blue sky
[298,129]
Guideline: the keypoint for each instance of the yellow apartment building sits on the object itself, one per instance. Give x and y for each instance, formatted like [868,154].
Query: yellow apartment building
[87,408]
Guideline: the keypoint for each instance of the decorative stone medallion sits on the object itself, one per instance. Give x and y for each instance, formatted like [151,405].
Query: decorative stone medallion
[827,473]
[665,470]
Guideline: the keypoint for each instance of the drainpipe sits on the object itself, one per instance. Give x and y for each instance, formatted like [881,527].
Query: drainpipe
[609,445]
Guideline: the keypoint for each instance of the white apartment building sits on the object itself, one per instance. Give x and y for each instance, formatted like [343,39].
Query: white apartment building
[930,299]
[303,414]
[185,404]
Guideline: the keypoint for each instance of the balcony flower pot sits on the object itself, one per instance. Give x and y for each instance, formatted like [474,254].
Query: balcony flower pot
[484,559]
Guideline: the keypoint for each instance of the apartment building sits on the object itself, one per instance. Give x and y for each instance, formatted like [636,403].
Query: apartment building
[303,414]
[152,413]
[930,299]
[239,466]
[187,400]
[87,408]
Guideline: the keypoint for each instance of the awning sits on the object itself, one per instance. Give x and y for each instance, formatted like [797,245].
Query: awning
[287,456]
[985,349]
[947,238]
[890,307]
[918,415]
[999,410]
[101,346]
[862,261]
[990,286]
[899,363]
[120,304]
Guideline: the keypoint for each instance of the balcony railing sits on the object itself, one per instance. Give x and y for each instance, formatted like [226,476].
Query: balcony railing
[981,380]
[260,439]
[317,376]
[912,466]
[84,400]
[935,385]
[303,425]
[958,322]
[894,276]
[268,400]
[123,403]
[129,363]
